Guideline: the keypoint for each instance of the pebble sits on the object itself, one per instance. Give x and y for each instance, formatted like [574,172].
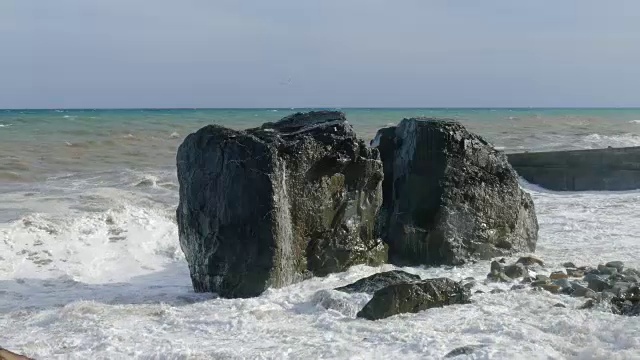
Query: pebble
[569,265]
[518,287]
[607,270]
[530,261]
[560,305]
[619,265]
[552,288]
[588,304]
[598,285]
[515,271]
[575,272]
[542,278]
[558,275]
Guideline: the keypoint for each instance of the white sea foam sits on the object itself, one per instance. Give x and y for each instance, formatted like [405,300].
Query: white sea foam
[634,121]
[597,141]
[114,285]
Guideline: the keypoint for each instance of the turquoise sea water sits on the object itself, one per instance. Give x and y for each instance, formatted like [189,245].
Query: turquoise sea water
[38,144]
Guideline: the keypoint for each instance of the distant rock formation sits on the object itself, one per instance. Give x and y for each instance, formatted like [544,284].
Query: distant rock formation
[449,196]
[271,206]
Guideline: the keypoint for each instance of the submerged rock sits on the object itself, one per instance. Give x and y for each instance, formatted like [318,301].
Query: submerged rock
[375,282]
[449,196]
[464,350]
[414,297]
[270,206]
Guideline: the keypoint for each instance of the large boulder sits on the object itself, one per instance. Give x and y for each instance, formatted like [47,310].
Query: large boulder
[449,196]
[270,206]
[413,297]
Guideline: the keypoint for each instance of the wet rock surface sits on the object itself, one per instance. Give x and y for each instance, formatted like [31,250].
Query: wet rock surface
[271,206]
[375,282]
[449,196]
[617,291]
[414,297]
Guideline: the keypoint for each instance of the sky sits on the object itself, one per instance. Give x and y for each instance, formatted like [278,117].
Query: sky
[322,53]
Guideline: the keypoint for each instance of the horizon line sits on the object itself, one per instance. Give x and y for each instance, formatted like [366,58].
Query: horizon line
[336,108]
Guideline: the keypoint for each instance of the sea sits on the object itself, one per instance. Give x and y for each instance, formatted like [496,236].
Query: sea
[91,267]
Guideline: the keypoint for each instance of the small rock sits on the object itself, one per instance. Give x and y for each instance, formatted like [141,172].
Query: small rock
[560,305]
[618,265]
[527,280]
[414,297]
[552,288]
[605,296]
[496,291]
[633,293]
[500,277]
[575,272]
[539,282]
[375,282]
[530,261]
[582,291]
[569,265]
[496,267]
[565,286]
[597,284]
[518,287]
[469,285]
[607,270]
[515,271]
[464,350]
[588,304]
[592,271]
[558,275]
[542,278]
[479,292]
[502,261]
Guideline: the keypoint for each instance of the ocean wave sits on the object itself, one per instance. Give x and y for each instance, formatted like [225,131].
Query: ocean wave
[91,247]
[596,141]
[5,125]
[634,122]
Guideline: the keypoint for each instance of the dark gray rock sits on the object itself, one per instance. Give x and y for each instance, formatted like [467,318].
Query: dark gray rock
[496,291]
[560,305]
[618,265]
[575,272]
[414,297]
[597,283]
[530,261]
[464,350]
[375,282]
[558,275]
[569,265]
[515,271]
[582,291]
[270,206]
[449,197]
[605,270]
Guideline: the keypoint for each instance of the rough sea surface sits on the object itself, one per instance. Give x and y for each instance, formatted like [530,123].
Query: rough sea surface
[90,266]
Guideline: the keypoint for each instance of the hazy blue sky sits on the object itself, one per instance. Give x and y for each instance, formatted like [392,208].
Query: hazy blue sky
[293,53]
